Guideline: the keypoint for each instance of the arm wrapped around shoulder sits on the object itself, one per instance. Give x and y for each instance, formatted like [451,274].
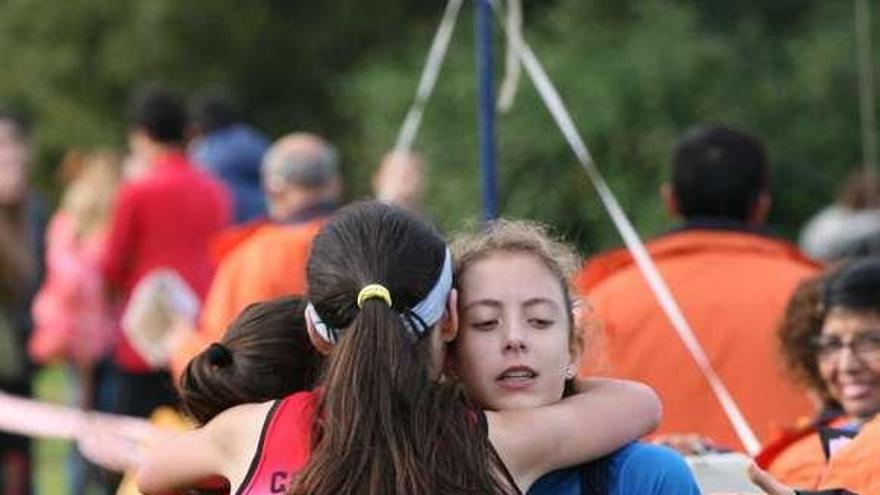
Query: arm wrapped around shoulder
[602,416]
[635,401]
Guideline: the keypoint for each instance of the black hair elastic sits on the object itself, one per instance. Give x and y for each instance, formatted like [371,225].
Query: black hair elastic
[219,354]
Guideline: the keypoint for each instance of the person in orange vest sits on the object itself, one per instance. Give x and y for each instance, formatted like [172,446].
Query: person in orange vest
[301,180]
[831,340]
[732,280]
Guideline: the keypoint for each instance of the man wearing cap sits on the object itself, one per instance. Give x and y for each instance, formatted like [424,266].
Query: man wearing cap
[301,181]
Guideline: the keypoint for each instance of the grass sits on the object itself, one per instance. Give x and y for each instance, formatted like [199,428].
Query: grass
[51,477]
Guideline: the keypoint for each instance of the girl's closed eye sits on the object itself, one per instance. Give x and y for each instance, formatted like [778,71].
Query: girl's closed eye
[482,317]
[484,324]
[540,322]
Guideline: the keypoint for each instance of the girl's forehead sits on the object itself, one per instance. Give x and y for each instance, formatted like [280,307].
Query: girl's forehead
[513,275]
[506,260]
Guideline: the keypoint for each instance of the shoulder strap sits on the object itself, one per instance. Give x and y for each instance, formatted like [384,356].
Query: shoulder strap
[258,454]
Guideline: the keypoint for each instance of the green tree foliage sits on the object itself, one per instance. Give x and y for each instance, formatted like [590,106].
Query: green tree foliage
[635,74]
[73,64]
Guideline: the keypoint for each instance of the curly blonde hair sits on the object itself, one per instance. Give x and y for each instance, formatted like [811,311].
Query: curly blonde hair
[90,197]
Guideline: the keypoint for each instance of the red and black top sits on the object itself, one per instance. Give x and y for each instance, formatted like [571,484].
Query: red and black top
[285,445]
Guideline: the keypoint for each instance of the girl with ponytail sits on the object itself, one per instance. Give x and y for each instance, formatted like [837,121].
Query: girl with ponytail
[383,421]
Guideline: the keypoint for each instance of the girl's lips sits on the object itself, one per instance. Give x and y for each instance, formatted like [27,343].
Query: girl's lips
[517,378]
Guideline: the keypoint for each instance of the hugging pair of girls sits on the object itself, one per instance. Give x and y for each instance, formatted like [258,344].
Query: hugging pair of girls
[425,381]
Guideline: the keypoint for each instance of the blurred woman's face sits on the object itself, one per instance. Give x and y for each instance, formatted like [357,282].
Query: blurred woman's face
[14,156]
[848,355]
[513,349]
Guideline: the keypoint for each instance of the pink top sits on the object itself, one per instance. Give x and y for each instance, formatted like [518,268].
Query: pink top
[72,316]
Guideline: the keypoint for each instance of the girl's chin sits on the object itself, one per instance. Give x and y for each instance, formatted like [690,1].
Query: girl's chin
[514,403]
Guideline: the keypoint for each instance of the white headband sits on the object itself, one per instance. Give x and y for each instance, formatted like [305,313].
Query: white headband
[417,320]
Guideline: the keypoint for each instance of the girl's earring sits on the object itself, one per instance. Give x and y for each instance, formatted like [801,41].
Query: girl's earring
[570,372]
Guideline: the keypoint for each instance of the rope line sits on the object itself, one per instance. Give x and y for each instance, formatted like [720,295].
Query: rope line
[428,79]
[509,85]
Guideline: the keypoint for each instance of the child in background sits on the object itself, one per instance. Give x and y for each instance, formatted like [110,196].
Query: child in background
[73,319]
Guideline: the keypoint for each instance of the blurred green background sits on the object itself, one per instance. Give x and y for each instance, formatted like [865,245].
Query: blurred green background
[52,455]
[635,74]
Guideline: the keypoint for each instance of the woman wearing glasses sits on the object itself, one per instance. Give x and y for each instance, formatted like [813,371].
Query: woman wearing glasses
[831,341]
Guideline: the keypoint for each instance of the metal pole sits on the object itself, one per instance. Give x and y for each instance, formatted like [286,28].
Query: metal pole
[486,109]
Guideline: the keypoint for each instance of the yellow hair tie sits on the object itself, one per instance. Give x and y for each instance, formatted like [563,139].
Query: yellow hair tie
[373,291]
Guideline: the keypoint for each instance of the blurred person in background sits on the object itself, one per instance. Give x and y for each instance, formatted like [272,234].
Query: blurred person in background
[851,226]
[163,221]
[229,149]
[303,187]
[22,222]
[73,318]
[730,277]
[831,343]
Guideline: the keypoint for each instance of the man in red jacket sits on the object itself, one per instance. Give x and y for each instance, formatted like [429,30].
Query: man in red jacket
[732,281]
[164,219]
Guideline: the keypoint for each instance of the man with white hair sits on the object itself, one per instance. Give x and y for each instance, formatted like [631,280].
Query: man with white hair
[300,175]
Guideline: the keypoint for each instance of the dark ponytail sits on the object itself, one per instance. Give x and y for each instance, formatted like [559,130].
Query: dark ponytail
[385,427]
[265,354]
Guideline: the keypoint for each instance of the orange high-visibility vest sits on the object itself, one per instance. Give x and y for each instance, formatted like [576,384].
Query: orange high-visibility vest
[856,466]
[270,263]
[797,458]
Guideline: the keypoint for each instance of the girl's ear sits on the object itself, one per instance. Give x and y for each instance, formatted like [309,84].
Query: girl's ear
[449,327]
[318,343]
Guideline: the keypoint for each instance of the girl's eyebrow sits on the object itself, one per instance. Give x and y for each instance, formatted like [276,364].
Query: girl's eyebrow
[539,300]
[497,304]
[483,302]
